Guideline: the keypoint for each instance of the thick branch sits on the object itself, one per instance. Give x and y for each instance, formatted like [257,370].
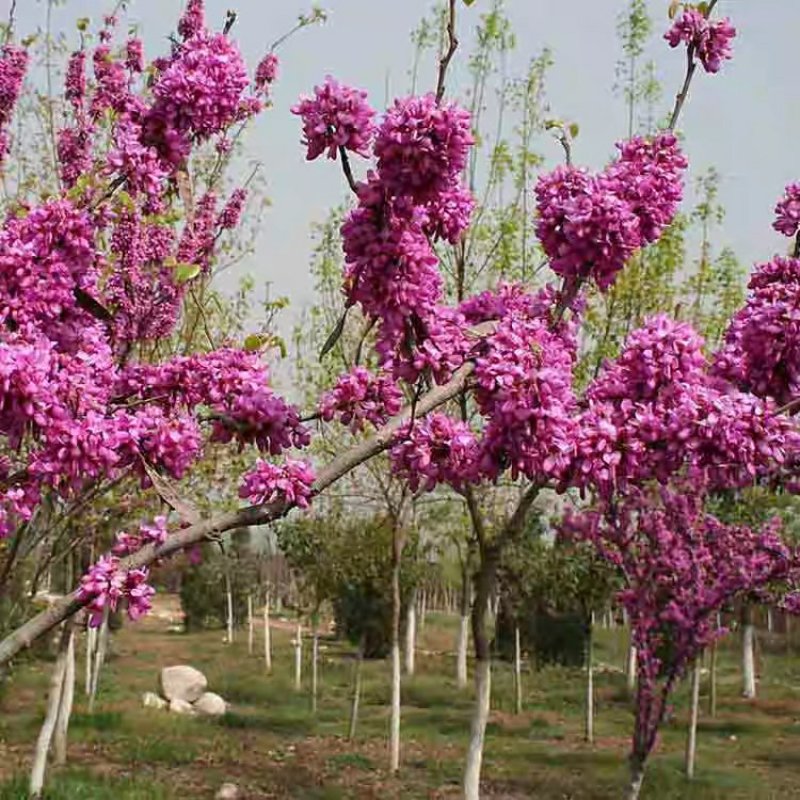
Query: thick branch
[35,627]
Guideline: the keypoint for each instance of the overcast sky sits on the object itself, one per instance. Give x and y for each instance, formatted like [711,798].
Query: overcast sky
[744,121]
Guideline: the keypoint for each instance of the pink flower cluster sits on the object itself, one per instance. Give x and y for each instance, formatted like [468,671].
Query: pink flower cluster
[336,116]
[710,39]
[435,450]
[655,412]
[523,387]
[787,212]
[359,397]
[590,225]
[108,583]
[422,148]
[761,351]
[13,66]
[266,73]
[412,197]
[289,483]
[155,534]
[198,94]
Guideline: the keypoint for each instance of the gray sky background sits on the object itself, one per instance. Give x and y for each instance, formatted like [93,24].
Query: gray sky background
[744,121]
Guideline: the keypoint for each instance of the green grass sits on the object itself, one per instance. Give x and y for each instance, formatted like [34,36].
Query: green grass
[273,746]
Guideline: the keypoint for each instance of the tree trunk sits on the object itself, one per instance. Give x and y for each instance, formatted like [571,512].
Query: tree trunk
[99,658]
[461,657]
[712,678]
[517,673]
[590,681]
[691,742]
[748,654]
[65,705]
[770,622]
[267,637]
[637,777]
[423,611]
[298,657]
[51,715]
[250,625]
[91,643]
[472,772]
[351,732]
[314,668]
[490,558]
[229,599]
[411,634]
[631,668]
[394,723]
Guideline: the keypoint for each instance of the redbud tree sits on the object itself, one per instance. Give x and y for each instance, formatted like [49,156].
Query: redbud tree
[93,273]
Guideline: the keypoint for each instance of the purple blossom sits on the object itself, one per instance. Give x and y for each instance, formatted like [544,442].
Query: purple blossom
[290,483]
[266,73]
[787,212]
[336,116]
[711,39]
[359,397]
[422,148]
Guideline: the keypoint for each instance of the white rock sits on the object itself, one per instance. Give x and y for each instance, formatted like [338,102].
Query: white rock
[152,700]
[182,683]
[178,706]
[228,791]
[211,704]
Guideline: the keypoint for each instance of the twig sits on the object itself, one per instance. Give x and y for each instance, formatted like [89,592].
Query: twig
[348,170]
[691,68]
[445,60]
[796,250]
[11,15]
[680,99]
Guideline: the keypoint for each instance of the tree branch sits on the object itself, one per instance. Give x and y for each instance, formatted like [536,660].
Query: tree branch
[452,46]
[35,627]
[348,170]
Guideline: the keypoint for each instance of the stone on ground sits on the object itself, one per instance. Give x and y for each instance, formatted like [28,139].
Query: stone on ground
[178,706]
[152,700]
[211,704]
[182,683]
[228,791]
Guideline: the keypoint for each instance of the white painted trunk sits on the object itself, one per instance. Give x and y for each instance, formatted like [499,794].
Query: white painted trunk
[480,716]
[267,638]
[314,670]
[298,658]
[770,621]
[517,673]
[394,723]
[229,599]
[99,659]
[423,611]
[637,777]
[51,715]
[461,655]
[631,668]
[91,643]
[691,741]
[356,698]
[65,705]
[748,661]
[411,637]
[250,625]
[590,685]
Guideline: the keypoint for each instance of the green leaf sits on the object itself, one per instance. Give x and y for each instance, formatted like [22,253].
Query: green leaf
[574,130]
[673,8]
[186,272]
[468,2]
[255,341]
[336,333]
[83,24]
